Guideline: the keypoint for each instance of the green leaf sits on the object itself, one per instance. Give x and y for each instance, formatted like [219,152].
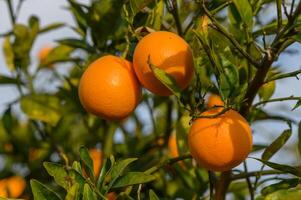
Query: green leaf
[298,104]
[87,161]
[155,18]
[285,184]
[229,80]
[77,167]
[118,169]
[8,53]
[77,43]
[88,193]
[152,195]
[276,145]
[106,166]
[267,90]
[59,173]
[7,121]
[133,178]
[283,168]
[51,27]
[42,192]
[34,25]
[73,192]
[79,14]
[166,79]
[245,11]
[41,107]
[60,53]
[291,194]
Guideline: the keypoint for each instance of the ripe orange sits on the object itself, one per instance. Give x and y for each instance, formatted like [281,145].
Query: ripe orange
[109,88]
[214,100]
[12,187]
[220,143]
[168,52]
[96,156]
[43,53]
[111,196]
[172,146]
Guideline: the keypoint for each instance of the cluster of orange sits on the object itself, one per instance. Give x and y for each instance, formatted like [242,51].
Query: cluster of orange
[110,88]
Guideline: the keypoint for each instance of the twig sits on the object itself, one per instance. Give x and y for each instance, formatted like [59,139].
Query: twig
[291,98]
[285,10]
[213,116]
[279,15]
[255,173]
[11,12]
[251,190]
[172,7]
[230,37]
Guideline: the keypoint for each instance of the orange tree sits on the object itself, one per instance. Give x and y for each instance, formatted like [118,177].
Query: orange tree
[182,49]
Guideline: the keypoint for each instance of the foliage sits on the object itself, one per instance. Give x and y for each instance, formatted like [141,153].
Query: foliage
[51,135]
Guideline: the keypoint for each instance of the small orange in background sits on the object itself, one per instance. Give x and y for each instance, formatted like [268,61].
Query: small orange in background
[96,156]
[12,187]
[111,196]
[172,146]
[109,88]
[43,53]
[167,51]
[220,143]
[214,100]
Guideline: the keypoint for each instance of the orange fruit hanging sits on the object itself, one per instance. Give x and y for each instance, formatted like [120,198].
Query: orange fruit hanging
[220,143]
[109,88]
[96,156]
[168,52]
[172,146]
[12,187]
[43,53]
[214,100]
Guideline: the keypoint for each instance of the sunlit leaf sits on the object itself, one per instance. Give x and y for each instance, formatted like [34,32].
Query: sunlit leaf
[42,107]
[59,173]
[73,192]
[8,53]
[245,11]
[267,90]
[42,192]
[88,193]
[166,79]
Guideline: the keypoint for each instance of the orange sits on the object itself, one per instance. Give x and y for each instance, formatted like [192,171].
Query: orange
[109,88]
[111,196]
[168,52]
[96,156]
[12,187]
[172,146]
[220,143]
[43,53]
[214,100]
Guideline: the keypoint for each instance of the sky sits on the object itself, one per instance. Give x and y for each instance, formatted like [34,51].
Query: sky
[50,11]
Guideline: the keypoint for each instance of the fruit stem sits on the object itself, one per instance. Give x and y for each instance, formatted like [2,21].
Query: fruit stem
[222,185]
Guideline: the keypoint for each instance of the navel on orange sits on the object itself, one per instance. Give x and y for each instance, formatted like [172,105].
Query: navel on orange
[166,51]
[109,88]
[220,143]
